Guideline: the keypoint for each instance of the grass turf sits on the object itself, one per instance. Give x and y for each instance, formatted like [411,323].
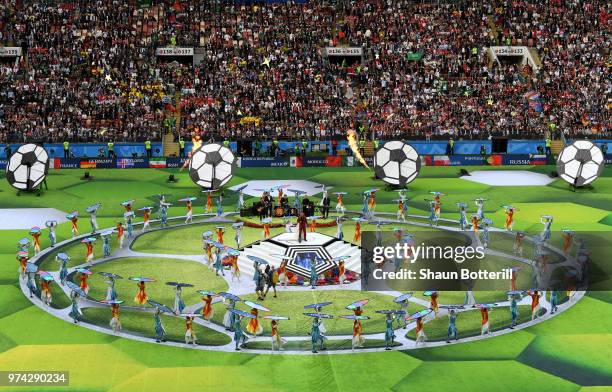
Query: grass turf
[33,339]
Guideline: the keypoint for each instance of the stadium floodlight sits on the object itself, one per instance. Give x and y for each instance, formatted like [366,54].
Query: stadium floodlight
[580,163]
[212,166]
[397,163]
[27,167]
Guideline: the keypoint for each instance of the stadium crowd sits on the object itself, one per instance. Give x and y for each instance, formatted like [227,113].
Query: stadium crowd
[90,71]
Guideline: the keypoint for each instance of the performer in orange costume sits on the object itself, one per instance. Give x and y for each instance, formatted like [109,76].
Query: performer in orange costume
[433,302]
[420,332]
[357,236]
[141,297]
[254,326]
[45,293]
[509,218]
[114,323]
[209,202]
[484,327]
[83,283]
[535,304]
[120,234]
[36,242]
[208,311]
[74,225]
[220,233]
[190,336]
[341,272]
[313,225]
[358,340]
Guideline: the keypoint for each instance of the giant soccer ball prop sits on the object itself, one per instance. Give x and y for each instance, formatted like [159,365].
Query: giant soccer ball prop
[580,163]
[397,163]
[27,167]
[212,166]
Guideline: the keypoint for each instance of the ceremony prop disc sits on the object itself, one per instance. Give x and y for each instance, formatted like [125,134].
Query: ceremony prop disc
[354,317]
[276,318]
[403,298]
[257,306]
[230,296]
[319,315]
[317,305]
[242,313]
[358,304]
[141,279]
[419,314]
[159,306]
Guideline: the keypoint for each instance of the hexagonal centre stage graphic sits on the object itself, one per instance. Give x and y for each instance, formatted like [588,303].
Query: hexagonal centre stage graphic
[257,187]
[318,248]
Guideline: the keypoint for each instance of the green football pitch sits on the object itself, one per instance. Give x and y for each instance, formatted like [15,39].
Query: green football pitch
[570,352]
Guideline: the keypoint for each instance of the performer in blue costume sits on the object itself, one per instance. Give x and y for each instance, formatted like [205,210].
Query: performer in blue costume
[229,318]
[463,222]
[514,311]
[179,304]
[547,221]
[52,225]
[130,226]
[316,336]
[433,217]
[452,326]
[106,243]
[389,335]
[339,232]
[111,293]
[219,205]
[553,301]
[313,274]
[218,264]
[63,268]
[240,337]
[75,311]
[160,332]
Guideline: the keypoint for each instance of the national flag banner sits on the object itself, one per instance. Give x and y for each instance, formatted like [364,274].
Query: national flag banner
[538,159]
[533,99]
[295,161]
[441,160]
[125,163]
[414,56]
[157,163]
[88,164]
[333,161]
[55,163]
[495,160]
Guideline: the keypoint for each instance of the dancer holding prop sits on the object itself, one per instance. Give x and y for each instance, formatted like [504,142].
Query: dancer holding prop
[553,301]
[120,234]
[22,257]
[452,326]
[52,226]
[480,202]
[179,304]
[73,217]
[220,232]
[163,214]
[358,339]
[127,205]
[547,221]
[238,233]
[420,331]
[400,315]
[63,259]
[233,255]
[438,203]
[357,235]
[254,327]
[31,270]
[209,201]
[129,220]
[218,266]
[317,336]
[89,241]
[509,211]
[372,201]
[401,210]
[141,297]
[240,203]
[105,235]
[92,210]
[111,293]
[229,317]
[475,220]
[340,202]
[434,209]
[389,332]
[189,205]
[219,205]
[190,336]
[462,215]
[114,322]
[339,232]
[433,300]
[146,214]
[514,313]
[35,232]
[45,292]
[277,340]
[75,310]
[207,310]
[266,227]
[535,304]
[484,314]
[240,338]
[84,274]
[313,223]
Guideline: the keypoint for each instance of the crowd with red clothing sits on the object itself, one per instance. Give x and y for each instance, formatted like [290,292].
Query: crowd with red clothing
[90,73]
